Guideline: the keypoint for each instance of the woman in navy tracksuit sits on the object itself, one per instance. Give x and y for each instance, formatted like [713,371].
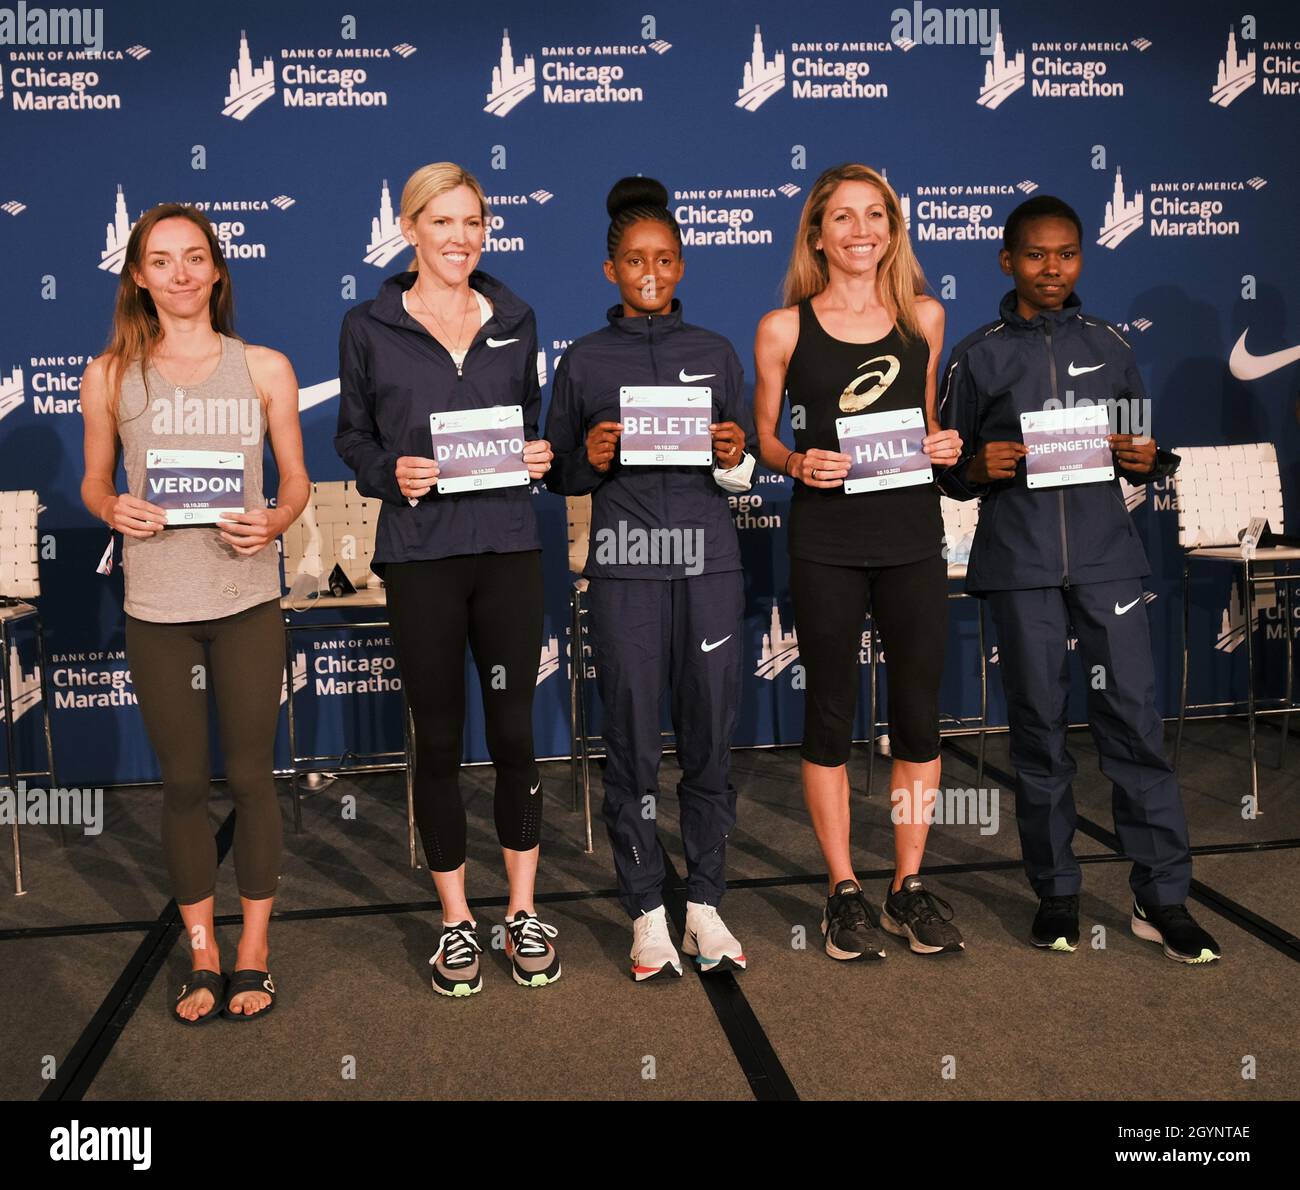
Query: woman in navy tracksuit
[1052,560]
[458,567]
[666,607]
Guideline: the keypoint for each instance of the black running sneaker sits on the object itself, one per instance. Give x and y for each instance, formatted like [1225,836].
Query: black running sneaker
[847,923]
[534,961]
[455,962]
[918,916]
[1184,941]
[1056,924]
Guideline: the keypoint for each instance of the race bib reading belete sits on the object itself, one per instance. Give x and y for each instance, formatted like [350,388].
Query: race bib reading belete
[666,425]
[195,487]
[1067,446]
[476,449]
[884,450]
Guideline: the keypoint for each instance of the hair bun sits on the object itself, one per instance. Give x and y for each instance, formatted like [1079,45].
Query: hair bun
[635,192]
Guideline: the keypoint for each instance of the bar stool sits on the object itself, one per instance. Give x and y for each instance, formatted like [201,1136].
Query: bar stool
[1219,490]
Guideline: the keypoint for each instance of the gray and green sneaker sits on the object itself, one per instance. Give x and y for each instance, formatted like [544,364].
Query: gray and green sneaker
[455,962]
[534,962]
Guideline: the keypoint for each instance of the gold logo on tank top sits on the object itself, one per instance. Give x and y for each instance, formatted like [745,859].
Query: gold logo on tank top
[883,370]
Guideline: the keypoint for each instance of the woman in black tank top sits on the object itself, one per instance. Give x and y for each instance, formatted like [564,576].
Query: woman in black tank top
[859,335]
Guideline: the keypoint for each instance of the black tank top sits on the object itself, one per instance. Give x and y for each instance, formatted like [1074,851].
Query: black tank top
[830,378]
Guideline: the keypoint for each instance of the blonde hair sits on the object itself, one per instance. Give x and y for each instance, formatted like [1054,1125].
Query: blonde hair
[899,279]
[429,181]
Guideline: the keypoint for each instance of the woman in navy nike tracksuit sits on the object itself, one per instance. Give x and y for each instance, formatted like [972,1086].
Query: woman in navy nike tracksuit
[462,567]
[666,607]
[1056,561]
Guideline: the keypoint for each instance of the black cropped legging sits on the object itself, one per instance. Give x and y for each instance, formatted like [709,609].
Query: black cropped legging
[239,659]
[493,602]
[909,604]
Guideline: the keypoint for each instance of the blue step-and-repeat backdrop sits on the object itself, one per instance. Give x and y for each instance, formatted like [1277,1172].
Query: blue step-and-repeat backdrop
[1170,128]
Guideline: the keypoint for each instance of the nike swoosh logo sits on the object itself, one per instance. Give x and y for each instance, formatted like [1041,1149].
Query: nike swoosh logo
[491,342]
[1245,366]
[705,647]
[1080,371]
[317,394]
[534,789]
[1119,611]
[687,379]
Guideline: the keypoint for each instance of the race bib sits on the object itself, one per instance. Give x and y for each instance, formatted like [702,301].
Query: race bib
[666,425]
[1067,446]
[477,449]
[195,487]
[884,449]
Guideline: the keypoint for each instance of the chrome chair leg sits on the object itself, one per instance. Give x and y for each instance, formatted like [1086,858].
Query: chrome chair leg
[1249,601]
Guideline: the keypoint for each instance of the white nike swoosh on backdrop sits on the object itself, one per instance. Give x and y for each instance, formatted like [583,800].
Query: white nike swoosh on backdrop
[1245,366]
[685,379]
[1119,611]
[1080,371]
[317,394]
[705,647]
[491,342]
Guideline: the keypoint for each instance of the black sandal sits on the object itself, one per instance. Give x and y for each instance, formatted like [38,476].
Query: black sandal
[248,980]
[212,981]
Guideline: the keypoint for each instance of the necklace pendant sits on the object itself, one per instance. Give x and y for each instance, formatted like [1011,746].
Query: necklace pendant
[460,370]
[180,393]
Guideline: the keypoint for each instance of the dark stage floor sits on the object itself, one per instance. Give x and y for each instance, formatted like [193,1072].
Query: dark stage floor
[91,959]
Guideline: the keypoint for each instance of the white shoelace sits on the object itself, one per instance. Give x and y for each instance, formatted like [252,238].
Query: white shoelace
[459,945]
[530,934]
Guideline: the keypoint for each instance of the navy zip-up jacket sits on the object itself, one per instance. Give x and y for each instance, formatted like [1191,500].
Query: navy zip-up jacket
[1048,537]
[392,375]
[657,349]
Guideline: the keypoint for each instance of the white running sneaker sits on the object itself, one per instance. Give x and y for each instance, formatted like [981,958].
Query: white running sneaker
[707,938]
[653,952]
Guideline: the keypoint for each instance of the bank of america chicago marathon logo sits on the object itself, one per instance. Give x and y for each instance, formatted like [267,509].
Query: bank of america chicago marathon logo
[314,77]
[818,70]
[730,215]
[960,211]
[1194,207]
[229,219]
[24,687]
[337,671]
[64,80]
[387,241]
[12,392]
[1236,72]
[779,648]
[568,74]
[1057,70]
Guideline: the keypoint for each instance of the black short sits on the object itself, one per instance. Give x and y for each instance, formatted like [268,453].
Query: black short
[909,604]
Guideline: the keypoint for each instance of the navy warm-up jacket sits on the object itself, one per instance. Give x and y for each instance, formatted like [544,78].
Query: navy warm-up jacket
[392,375]
[653,350]
[1048,537]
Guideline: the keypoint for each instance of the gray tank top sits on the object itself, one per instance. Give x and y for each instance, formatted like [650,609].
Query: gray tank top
[189,573]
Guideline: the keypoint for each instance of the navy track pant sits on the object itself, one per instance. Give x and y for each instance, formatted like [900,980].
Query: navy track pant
[1110,621]
[648,635]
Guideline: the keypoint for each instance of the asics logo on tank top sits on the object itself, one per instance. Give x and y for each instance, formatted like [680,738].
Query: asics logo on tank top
[883,370]
[687,378]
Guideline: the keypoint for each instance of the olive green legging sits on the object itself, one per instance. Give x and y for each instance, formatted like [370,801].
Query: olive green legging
[173,673]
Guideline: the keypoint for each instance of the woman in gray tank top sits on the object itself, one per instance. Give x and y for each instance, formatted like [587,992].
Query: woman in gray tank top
[189,405]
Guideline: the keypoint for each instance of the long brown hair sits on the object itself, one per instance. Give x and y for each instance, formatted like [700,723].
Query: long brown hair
[136,329]
[899,278]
